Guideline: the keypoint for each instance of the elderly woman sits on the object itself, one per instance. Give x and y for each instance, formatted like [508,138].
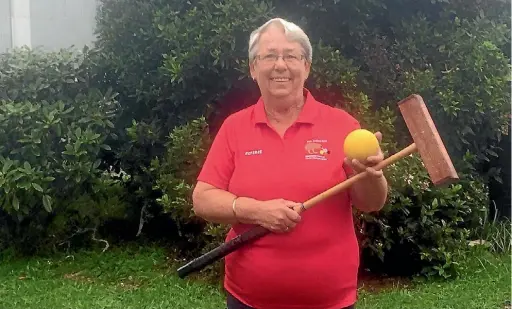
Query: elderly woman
[264,161]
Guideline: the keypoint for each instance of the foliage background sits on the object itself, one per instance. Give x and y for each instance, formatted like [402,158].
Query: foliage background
[103,145]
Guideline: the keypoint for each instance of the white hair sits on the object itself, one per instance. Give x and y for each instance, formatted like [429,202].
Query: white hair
[292,32]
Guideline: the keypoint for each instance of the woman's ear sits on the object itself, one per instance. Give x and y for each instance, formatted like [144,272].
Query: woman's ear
[252,70]
[308,68]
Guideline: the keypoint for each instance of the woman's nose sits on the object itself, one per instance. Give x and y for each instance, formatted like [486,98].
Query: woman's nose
[280,64]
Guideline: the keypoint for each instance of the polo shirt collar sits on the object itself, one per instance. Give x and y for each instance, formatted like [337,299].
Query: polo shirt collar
[307,115]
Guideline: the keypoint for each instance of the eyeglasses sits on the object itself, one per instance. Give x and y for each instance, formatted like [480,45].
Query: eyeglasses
[272,58]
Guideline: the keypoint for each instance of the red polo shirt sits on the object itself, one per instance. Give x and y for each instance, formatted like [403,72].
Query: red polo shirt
[315,265]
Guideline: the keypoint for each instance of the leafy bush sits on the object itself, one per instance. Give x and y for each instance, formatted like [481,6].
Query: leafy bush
[463,76]
[422,229]
[465,84]
[53,127]
[176,174]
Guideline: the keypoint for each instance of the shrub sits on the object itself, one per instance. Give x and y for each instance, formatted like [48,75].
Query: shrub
[465,84]
[176,174]
[422,229]
[53,127]
[128,59]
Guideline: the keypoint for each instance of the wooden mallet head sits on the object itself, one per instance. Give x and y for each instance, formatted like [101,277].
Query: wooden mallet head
[427,141]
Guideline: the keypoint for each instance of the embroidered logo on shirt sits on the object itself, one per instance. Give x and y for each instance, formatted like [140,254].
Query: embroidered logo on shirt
[254,152]
[315,150]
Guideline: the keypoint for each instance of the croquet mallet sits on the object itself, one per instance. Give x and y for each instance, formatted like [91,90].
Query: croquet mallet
[426,141]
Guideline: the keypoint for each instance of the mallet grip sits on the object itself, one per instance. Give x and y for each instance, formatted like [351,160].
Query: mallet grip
[221,251]
[258,231]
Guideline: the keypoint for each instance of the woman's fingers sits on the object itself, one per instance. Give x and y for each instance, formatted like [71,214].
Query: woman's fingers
[378,135]
[356,165]
[374,172]
[281,216]
[367,165]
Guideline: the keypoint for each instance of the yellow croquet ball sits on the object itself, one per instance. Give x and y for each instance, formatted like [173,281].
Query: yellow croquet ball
[360,144]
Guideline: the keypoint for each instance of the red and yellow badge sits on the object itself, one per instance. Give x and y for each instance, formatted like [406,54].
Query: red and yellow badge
[315,150]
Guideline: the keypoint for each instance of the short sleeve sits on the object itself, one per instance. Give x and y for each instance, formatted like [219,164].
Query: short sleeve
[219,163]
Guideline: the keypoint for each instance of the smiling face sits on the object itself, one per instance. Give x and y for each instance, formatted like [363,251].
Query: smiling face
[285,76]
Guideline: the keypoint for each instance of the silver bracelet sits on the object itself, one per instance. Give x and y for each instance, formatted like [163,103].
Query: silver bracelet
[233,207]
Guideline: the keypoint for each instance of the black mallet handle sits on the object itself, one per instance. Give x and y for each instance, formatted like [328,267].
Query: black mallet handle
[221,251]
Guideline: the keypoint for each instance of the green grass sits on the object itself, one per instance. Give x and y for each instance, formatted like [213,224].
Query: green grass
[116,279]
[145,278]
[485,283]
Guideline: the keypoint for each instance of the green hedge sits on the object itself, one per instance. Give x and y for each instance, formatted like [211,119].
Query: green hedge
[53,128]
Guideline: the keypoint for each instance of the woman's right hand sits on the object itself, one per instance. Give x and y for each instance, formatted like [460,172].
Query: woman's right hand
[278,215]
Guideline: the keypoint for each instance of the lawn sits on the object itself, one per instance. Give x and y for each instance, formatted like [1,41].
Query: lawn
[145,278]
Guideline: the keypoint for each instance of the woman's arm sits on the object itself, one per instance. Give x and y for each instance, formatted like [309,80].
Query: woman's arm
[216,205]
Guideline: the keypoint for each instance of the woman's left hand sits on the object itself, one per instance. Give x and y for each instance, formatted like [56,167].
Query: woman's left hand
[367,165]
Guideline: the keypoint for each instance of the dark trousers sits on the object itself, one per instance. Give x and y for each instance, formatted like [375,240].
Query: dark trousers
[233,303]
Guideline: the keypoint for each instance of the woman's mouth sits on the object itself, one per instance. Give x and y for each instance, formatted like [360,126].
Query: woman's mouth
[280,79]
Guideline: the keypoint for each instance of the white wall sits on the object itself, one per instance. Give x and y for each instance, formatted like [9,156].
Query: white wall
[49,24]
[20,23]
[5,25]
